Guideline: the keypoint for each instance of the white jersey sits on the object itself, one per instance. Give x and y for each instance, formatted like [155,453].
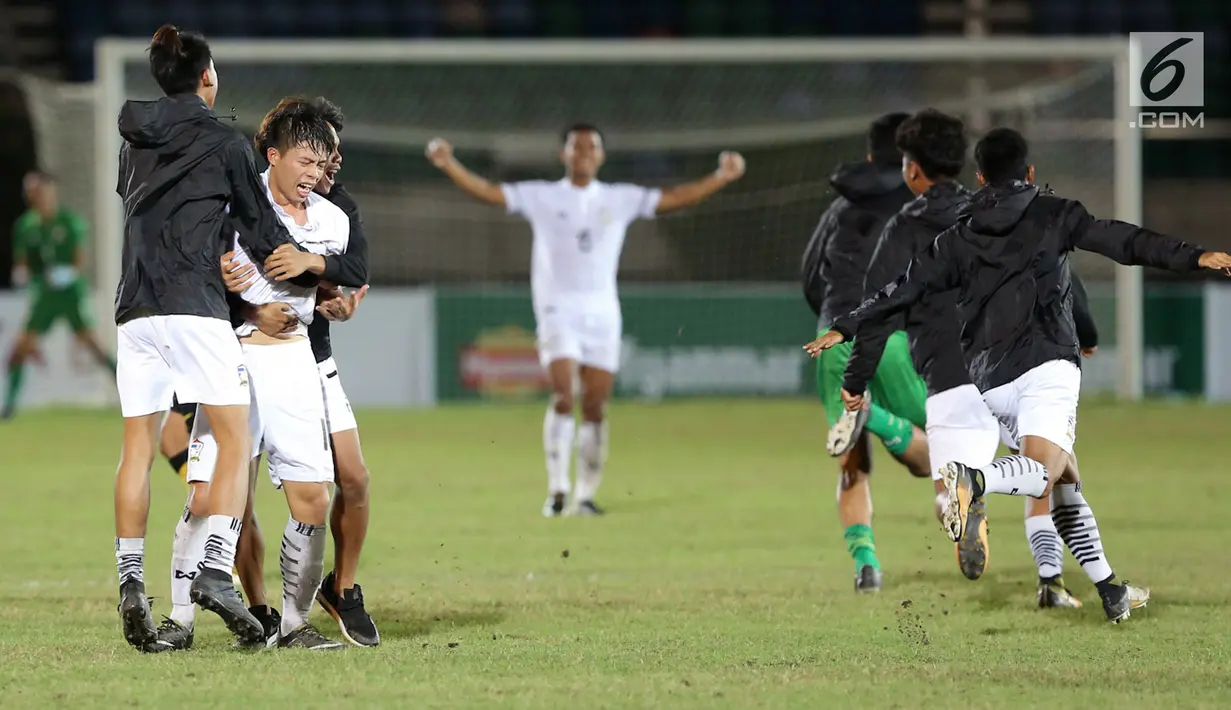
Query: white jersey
[578,236]
[327,231]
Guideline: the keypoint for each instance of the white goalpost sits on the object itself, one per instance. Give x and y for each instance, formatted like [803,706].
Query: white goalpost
[664,103]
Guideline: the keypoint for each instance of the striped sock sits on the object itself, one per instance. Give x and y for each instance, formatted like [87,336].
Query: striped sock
[1014,475]
[1077,527]
[220,546]
[1045,545]
[130,558]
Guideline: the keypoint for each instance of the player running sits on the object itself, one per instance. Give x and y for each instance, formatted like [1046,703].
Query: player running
[579,225]
[47,254]
[933,149]
[180,171]
[288,416]
[1009,261]
[869,193]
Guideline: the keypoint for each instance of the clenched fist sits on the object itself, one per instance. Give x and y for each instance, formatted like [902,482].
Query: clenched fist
[439,151]
[730,166]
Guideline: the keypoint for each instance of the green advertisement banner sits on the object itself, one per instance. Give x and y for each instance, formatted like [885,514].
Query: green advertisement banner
[678,341]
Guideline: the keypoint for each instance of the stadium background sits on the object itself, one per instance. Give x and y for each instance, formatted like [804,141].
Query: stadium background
[711,297]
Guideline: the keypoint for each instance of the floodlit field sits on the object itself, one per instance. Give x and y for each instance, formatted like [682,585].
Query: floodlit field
[719,579]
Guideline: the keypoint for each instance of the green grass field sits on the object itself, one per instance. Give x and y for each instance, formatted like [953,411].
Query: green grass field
[719,579]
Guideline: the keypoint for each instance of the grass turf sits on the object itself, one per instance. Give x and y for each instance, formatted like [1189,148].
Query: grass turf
[719,579]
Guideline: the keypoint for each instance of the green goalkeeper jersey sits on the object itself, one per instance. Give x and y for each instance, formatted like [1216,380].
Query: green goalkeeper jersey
[49,248]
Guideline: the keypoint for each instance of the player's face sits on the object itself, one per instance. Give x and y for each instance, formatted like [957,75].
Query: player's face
[42,195]
[209,85]
[583,154]
[295,172]
[325,185]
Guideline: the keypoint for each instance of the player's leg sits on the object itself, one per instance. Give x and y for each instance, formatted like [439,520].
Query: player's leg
[144,383]
[596,386]
[250,563]
[76,309]
[339,594]
[42,315]
[175,437]
[901,395]
[209,369]
[559,351]
[188,546]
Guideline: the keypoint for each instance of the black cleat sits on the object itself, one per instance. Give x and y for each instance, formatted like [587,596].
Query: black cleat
[172,636]
[135,615]
[1119,600]
[214,591]
[587,508]
[271,622]
[309,638]
[554,505]
[868,579]
[353,620]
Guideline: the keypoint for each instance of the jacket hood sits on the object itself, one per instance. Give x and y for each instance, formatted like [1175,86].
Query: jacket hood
[996,209]
[150,124]
[862,181]
[940,206]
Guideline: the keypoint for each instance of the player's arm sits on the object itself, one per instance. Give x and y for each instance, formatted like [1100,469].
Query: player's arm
[440,152]
[1132,245]
[260,231]
[1087,331]
[730,168]
[349,268]
[873,336]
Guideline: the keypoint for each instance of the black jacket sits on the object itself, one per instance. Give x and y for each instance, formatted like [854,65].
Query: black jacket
[932,325]
[1008,256]
[347,269]
[180,168]
[837,255]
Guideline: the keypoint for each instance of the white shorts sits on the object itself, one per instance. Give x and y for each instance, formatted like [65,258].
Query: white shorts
[338,414]
[1042,402]
[960,428]
[195,358]
[590,339]
[287,419]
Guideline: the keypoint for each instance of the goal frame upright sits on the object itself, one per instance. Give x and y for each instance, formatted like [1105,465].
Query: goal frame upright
[112,55]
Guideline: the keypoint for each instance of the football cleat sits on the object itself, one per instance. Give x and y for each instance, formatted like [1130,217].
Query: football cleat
[348,610]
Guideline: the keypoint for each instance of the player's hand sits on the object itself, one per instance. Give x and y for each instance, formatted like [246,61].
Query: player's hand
[1216,260]
[853,402]
[730,166]
[439,151]
[235,277]
[275,319]
[342,307]
[824,342]
[1089,352]
[287,262]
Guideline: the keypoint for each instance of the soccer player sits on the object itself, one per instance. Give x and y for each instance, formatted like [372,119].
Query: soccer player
[869,193]
[933,149]
[288,415]
[579,225]
[47,254]
[339,595]
[1009,262]
[181,170]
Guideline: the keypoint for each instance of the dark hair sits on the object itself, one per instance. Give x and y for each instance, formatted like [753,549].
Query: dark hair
[934,140]
[177,60]
[881,134]
[1001,156]
[331,111]
[581,128]
[295,121]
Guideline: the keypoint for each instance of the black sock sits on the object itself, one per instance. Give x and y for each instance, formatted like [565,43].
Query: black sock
[1106,585]
[977,486]
[1049,580]
[177,461]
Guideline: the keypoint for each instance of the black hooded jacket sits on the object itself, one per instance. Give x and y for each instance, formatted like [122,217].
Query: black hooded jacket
[1008,258]
[180,169]
[347,269]
[931,325]
[837,256]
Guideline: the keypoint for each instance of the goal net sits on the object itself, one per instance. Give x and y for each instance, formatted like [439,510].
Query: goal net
[712,302]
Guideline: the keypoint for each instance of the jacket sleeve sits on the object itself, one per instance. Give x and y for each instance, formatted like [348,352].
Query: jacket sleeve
[845,246]
[810,269]
[871,338]
[1087,331]
[1127,243]
[929,272]
[349,268]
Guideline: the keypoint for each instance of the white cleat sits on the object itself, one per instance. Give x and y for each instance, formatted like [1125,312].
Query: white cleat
[958,495]
[844,433]
[553,507]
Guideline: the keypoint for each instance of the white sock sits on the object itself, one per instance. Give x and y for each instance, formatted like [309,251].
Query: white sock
[1015,475]
[130,558]
[187,560]
[223,536]
[1077,527]
[303,566]
[1045,544]
[591,457]
[558,431]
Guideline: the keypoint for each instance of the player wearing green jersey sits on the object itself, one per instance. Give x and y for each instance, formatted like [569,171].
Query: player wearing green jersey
[47,255]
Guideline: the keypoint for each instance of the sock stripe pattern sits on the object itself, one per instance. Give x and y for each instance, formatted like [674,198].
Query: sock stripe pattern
[302,561]
[1048,551]
[1077,527]
[130,560]
[1015,475]
[220,545]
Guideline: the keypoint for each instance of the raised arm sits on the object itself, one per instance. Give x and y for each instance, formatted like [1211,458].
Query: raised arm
[730,168]
[440,152]
[930,271]
[1132,245]
[349,268]
[871,338]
